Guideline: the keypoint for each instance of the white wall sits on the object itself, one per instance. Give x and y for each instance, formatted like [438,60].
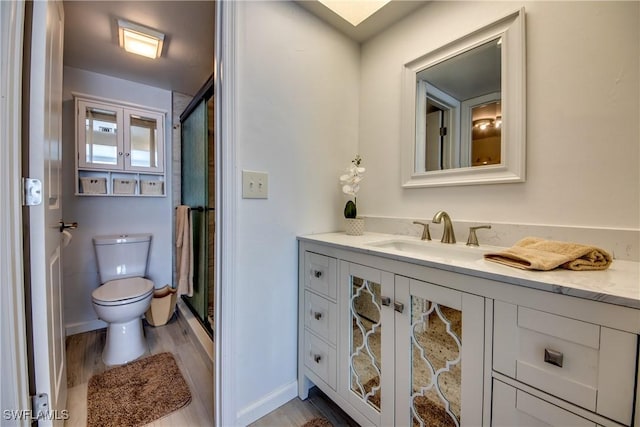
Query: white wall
[582,116]
[109,215]
[297,120]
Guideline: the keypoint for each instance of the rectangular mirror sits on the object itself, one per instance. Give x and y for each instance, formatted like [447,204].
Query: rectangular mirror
[143,140]
[143,136]
[101,136]
[463,117]
[458,114]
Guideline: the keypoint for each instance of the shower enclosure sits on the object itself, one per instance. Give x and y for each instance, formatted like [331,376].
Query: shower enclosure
[198,192]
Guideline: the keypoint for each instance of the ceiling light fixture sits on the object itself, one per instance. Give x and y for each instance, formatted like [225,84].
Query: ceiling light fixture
[140,40]
[354,11]
[483,124]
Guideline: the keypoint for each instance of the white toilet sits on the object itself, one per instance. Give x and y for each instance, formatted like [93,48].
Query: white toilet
[124,294]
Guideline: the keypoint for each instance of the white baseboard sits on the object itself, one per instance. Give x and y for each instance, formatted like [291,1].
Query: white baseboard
[266,404]
[91,325]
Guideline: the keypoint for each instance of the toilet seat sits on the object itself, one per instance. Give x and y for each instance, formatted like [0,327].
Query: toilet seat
[122,291]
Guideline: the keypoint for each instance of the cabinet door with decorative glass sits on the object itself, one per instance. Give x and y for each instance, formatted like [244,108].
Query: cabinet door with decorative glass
[439,356]
[366,361]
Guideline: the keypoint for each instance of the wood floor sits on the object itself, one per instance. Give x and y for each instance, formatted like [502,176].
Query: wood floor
[297,412]
[84,360]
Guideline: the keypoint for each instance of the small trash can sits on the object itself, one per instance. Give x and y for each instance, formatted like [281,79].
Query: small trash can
[163,304]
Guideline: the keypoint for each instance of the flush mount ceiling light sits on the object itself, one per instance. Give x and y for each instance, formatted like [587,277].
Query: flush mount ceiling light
[140,40]
[354,11]
[482,124]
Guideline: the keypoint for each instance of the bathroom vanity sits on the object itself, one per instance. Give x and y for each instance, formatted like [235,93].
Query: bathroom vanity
[398,331]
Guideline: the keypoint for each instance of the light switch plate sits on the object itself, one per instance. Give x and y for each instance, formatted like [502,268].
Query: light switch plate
[255,185]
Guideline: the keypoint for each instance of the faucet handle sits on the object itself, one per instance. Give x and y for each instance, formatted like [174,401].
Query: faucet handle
[472,240]
[426,235]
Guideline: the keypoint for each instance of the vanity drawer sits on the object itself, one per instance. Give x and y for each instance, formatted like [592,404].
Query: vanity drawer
[320,274]
[320,316]
[320,358]
[513,407]
[585,364]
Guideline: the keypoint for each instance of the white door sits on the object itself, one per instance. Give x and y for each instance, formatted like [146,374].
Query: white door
[45,161]
[434,141]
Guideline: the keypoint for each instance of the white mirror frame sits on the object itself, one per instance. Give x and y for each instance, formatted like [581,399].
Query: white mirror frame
[513,86]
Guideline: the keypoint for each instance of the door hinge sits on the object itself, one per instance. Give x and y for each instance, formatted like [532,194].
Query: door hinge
[443,131]
[39,405]
[31,192]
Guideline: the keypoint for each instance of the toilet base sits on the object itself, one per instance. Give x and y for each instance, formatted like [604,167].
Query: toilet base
[125,342]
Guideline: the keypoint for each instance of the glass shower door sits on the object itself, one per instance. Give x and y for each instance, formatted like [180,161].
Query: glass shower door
[195,193]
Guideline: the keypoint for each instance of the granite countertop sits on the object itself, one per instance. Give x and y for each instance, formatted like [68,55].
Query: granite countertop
[619,284]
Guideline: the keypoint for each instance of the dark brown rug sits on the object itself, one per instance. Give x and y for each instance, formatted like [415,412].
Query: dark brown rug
[317,422]
[136,394]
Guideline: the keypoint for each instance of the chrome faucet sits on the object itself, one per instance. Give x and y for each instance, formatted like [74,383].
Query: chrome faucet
[447,235]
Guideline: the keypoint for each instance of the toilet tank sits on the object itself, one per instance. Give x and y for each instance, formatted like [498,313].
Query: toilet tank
[122,256]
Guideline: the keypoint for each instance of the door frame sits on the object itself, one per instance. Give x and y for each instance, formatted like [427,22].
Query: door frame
[14,369]
[227,189]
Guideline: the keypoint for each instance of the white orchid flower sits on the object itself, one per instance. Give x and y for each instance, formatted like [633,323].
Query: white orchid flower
[351,185]
[351,180]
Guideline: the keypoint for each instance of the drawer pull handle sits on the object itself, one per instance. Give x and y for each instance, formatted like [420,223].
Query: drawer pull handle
[386,301]
[317,274]
[553,357]
[317,358]
[317,315]
[398,306]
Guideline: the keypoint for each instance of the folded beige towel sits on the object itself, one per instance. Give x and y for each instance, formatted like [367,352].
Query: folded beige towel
[533,253]
[184,254]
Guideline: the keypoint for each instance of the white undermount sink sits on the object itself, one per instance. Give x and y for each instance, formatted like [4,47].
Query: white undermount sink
[421,249]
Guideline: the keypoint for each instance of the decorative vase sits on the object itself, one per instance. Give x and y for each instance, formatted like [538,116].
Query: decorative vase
[354,226]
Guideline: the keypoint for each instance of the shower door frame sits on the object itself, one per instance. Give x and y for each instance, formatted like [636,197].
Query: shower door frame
[204,95]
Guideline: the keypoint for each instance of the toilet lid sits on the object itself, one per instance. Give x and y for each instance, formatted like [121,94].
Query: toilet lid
[123,289]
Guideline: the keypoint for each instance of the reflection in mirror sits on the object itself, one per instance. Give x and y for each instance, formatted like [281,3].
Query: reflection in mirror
[463,109]
[144,151]
[486,134]
[436,364]
[460,98]
[365,350]
[101,128]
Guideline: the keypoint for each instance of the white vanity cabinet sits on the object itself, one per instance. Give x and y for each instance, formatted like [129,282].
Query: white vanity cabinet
[318,317]
[396,341]
[589,366]
[403,345]
[120,148]
[514,407]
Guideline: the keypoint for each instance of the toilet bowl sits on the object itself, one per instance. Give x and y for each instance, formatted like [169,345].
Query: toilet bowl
[124,295]
[121,303]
